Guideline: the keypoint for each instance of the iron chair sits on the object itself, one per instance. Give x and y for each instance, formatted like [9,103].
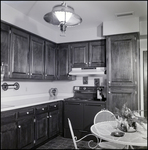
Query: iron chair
[106,115]
[74,138]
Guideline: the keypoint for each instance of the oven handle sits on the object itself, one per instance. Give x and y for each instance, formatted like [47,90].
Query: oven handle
[73,103]
[93,104]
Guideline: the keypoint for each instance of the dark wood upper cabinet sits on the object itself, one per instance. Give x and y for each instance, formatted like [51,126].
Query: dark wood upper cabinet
[5,45]
[97,53]
[88,54]
[79,54]
[36,58]
[122,60]
[19,52]
[50,49]
[63,62]
[122,71]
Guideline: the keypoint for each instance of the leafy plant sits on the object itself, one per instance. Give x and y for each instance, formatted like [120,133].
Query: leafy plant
[128,118]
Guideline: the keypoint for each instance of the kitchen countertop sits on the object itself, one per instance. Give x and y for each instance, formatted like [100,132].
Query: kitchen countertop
[15,104]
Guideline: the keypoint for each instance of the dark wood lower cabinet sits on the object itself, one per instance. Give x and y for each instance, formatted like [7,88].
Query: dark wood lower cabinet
[25,133]
[53,123]
[9,136]
[26,128]
[41,128]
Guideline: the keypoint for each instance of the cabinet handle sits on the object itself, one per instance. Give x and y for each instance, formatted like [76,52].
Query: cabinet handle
[109,92]
[31,74]
[50,116]
[47,116]
[19,126]
[42,108]
[55,106]
[89,62]
[27,112]
[45,75]
[28,73]
[108,81]
[86,63]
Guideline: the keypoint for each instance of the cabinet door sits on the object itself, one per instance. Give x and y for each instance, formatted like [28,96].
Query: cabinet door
[5,45]
[90,110]
[19,67]
[50,60]
[9,136]
[61,117]
[37,58]
[63,65]
[122,60]
[53,123]
[41,128]
[26,133]
[73,111]
[79,55]
[97,53]
[118,96]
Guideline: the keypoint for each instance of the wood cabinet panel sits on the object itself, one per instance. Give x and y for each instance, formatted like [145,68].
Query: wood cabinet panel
[41,128]
[119,96]
[63,62]
[53,123]
[122,60]
[79,54]
[5,47]
[122,71]
[36,58]
[19,51]
[25,133]
[9,136]
[97,52]
[50,60]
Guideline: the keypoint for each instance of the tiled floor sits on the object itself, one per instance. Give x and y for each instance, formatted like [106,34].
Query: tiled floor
[64,143]
[67,143]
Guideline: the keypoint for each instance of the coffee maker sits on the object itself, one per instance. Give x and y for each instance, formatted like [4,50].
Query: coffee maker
[100,95]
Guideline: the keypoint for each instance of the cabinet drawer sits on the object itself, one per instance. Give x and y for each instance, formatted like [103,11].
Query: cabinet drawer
[41,109]
[7,117]
[25,112]
[53,106]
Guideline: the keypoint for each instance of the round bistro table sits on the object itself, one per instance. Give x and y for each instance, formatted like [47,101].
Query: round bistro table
[103,130]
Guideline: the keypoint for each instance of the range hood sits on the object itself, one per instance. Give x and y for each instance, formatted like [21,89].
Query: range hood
[87,71]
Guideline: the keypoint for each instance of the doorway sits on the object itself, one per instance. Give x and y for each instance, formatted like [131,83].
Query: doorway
[145,81]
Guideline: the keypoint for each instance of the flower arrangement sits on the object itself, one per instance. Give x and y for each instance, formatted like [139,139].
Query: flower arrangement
[127,118]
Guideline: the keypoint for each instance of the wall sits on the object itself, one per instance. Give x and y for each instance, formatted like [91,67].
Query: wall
[121,26]
[33,88]
[12,16]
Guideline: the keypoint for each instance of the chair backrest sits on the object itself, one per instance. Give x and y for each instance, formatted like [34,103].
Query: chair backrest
[104,115]
[72,134]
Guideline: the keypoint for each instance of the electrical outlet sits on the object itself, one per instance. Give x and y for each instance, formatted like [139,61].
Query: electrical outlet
[85,80]
[97,82]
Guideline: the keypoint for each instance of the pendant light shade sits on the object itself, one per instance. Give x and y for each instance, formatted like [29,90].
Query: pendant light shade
[63,16]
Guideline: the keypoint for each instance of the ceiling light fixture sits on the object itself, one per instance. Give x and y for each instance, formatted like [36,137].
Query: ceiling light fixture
[63,16]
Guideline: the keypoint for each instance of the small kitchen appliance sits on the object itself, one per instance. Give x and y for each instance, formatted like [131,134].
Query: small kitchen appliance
[100,95]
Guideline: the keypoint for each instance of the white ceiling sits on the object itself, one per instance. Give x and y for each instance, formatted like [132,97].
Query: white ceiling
[93,13]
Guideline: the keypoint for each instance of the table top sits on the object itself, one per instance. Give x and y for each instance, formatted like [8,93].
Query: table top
[104,129]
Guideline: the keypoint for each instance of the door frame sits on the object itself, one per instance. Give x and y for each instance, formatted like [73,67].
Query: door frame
[141,81]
